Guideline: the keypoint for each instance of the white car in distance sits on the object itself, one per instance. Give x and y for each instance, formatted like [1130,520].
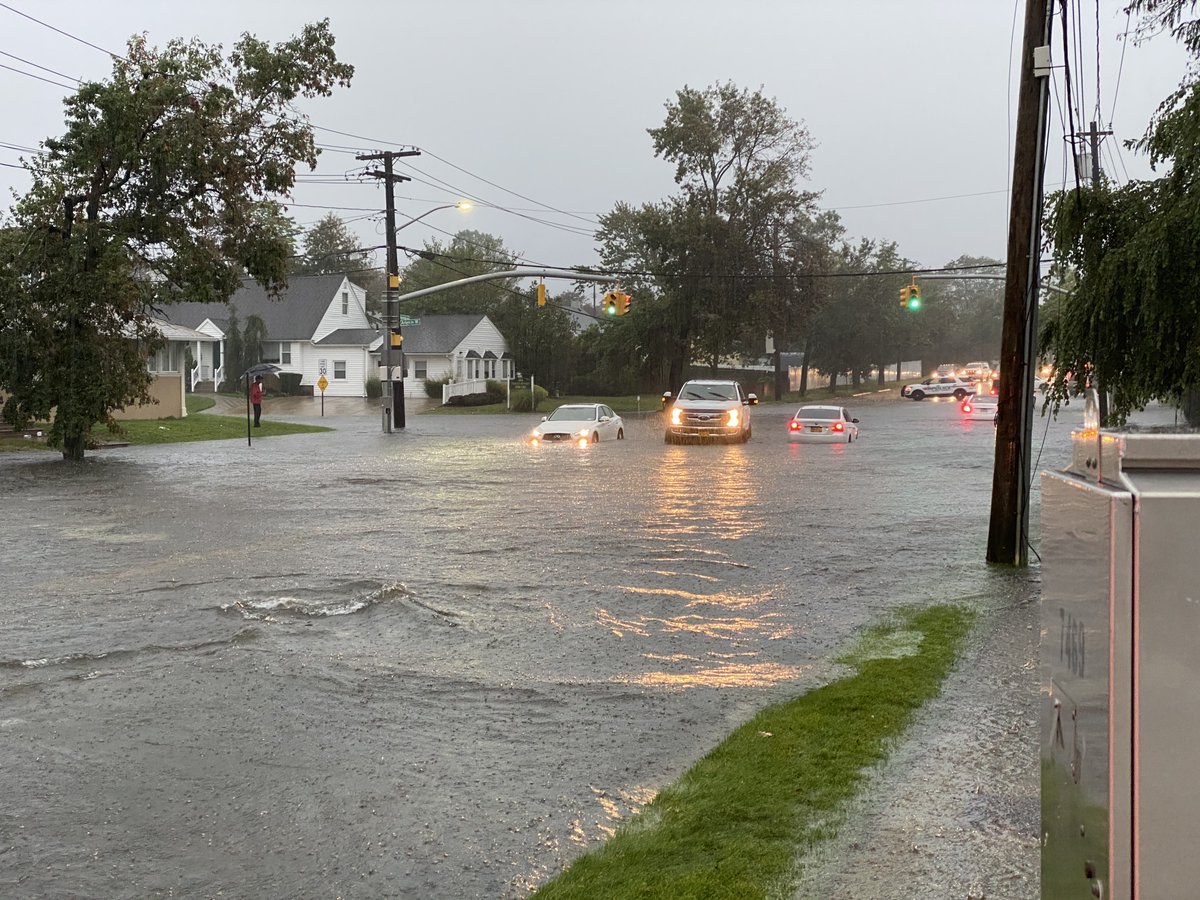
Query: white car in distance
[822,425]
[980,408]
[579,423]
[940,386]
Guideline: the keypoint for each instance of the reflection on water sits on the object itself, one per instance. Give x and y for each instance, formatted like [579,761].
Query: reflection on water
[715,500]
[726,675]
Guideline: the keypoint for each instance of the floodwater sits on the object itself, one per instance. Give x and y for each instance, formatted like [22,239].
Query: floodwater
[436,663]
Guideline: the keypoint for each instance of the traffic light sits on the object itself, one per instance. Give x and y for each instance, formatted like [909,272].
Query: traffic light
[616,303]
[541,294]
[904,295]
[396,339]
[914,296]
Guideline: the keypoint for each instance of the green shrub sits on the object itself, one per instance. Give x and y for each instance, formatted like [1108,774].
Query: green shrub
[289,383]
[523,401]
[374,387]
[433,387]
[497,390]
[479,399]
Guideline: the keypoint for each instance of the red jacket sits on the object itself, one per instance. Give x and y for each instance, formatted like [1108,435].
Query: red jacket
[256,393]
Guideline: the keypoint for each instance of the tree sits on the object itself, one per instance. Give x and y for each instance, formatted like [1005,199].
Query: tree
[861,326]
[468,253]
[738,160]
[330,248]
[162,188]
[1132,323]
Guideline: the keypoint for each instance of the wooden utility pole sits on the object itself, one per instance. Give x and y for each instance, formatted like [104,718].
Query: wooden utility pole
[1008,530]
[393,399]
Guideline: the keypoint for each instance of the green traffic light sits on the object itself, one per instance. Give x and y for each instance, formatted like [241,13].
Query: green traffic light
[914,303]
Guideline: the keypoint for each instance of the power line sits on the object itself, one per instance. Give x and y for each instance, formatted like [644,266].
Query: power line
[63,33]
[43,68]
[38,77]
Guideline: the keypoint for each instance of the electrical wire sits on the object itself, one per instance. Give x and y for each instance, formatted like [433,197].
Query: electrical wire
[38,77]
[1120,69]
[64,33]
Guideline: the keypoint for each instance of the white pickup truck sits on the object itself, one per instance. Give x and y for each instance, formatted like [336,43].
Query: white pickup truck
[708,411]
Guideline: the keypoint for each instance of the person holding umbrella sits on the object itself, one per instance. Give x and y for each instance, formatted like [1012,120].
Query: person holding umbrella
[256,395]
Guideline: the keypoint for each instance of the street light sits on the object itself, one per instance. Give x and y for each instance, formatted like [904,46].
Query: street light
[461,204]
[394,400]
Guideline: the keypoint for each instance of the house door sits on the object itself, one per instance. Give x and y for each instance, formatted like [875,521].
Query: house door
[216,357]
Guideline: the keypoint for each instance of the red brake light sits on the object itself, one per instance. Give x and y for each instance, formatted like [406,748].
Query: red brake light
[966,407]
[794,425]
[838,426]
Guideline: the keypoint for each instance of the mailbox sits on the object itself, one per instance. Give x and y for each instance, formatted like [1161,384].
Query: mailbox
[1120,659]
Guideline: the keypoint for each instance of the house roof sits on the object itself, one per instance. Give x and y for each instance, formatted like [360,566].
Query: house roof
[181,332]
[355,337]
[292,316]
[439,334]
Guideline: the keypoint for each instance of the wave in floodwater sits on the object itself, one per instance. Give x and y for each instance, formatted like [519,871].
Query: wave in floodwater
[245,634]
[316,604]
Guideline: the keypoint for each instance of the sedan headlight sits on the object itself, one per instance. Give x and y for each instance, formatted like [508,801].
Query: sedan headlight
[582,432]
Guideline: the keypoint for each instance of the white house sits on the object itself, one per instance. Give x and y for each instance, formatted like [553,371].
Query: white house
[319,325]
[469,349]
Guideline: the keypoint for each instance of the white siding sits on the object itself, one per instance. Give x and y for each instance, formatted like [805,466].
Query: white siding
[437,366]
[355,357]
[483,337]
[355,317]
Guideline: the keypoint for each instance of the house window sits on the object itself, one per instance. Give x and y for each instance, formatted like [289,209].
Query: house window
[339,370]
[270,351]
[285,354]
[420,368]
[345,302]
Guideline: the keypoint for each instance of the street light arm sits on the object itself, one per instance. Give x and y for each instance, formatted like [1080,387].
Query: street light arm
[435,209]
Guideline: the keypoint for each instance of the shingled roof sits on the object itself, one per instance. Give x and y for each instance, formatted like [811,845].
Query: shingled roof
[439,334]
[292,316]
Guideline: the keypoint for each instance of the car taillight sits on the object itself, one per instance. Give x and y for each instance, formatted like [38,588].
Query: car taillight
[838,426]
[794,425]
[967,407]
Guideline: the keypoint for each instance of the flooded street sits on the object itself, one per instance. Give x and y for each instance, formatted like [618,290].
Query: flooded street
[437,663]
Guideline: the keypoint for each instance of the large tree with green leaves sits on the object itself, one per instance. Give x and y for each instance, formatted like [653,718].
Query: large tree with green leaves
[467,254]
[1132,322]
[163,187]
[330,248]
[710,250]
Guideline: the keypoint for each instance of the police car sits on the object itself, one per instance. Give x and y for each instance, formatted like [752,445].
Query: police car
[940,386]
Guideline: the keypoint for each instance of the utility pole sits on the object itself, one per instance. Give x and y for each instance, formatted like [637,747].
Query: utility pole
[1008,528]
[393,400]
[1094,136]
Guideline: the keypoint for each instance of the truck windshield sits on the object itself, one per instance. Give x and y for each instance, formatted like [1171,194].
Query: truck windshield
[709,392]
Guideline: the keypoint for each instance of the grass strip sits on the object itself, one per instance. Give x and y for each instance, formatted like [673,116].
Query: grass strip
[734,824]
[202,428]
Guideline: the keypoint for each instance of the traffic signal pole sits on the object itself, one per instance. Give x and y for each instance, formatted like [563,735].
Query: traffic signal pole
[393,399]
[1008,529]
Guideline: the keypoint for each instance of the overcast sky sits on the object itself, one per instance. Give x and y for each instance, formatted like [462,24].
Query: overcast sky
[540,105]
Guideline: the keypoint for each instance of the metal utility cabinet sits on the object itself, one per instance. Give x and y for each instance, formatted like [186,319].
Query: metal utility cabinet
[1120,656]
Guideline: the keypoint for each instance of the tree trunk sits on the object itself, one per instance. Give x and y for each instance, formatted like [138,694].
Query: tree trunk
[73,446]
[782,382]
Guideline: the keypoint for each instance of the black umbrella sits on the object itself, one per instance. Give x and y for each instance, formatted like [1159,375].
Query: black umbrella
[259,369]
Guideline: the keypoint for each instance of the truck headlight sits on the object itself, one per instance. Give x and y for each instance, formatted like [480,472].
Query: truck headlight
[676,415]
[733,418]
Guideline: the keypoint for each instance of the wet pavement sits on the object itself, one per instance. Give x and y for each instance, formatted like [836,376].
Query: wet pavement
[440,663]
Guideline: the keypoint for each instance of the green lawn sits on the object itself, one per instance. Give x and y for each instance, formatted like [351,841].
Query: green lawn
[736,823]
[201,428]
[653,402]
